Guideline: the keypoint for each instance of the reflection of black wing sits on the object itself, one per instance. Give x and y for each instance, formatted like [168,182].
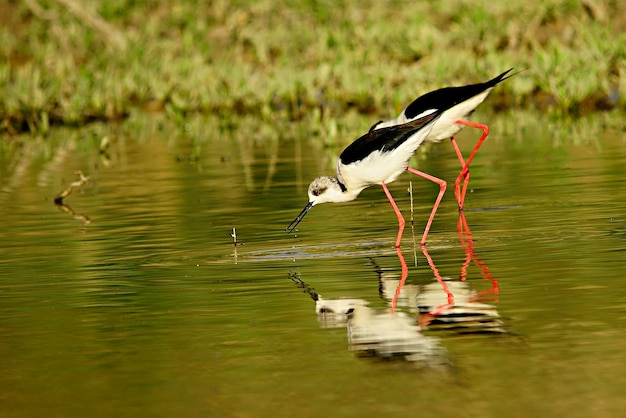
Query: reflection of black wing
[444,99]
[385,139]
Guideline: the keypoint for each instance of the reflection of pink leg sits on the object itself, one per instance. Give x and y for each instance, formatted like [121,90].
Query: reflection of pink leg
[440,279]
[405,273]
[466,239]
[437,310]
[442,189]
[401,221]
[464,232]
[459,192]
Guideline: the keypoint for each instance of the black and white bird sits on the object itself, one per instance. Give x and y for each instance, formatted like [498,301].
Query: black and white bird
[381,155]
[378,157]
[458,104]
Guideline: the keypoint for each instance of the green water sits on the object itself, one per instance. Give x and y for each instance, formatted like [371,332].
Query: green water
[133,301]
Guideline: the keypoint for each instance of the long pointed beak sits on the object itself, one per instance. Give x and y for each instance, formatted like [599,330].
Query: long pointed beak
[299,218]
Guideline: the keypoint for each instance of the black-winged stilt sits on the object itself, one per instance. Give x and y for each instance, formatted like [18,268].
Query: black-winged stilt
[459,103]
[377,157]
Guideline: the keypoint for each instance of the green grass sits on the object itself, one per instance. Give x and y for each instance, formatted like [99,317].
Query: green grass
[286,59]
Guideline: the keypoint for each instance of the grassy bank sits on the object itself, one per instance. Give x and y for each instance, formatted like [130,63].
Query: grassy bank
[69,62]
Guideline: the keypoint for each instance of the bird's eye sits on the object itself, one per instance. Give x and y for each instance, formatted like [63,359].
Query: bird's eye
[318,192]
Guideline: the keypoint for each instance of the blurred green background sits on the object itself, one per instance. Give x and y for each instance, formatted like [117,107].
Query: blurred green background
[70,62]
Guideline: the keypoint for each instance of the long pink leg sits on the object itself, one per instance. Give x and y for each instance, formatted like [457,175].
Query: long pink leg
[457,191]
[465,174]
[401,221]
[442,190]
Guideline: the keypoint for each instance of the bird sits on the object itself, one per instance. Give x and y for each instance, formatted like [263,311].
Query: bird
[459,103]
[378,157]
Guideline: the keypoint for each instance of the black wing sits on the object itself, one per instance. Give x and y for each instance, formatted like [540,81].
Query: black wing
[385,139]
[444,99]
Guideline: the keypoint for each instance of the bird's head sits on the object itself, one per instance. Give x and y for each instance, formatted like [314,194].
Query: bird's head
[326,189]
[323,189]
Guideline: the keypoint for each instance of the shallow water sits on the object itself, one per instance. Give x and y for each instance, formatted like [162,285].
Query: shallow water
[132,299]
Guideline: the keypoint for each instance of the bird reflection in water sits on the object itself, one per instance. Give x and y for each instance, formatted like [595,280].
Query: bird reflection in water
[376,333]
[443,304]
[448,303]
[387,335]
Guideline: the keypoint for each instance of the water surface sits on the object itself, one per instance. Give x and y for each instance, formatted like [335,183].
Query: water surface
[132,299]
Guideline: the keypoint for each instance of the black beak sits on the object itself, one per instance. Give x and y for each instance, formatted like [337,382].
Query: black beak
[299,218]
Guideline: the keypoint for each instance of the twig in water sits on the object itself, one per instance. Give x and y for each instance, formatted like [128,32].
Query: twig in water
[75,184]
[67,209]
[234,235]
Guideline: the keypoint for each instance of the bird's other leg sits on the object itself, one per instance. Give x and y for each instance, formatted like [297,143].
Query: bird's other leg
[457,188]
[401,221]
[459,192]
[442,189]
